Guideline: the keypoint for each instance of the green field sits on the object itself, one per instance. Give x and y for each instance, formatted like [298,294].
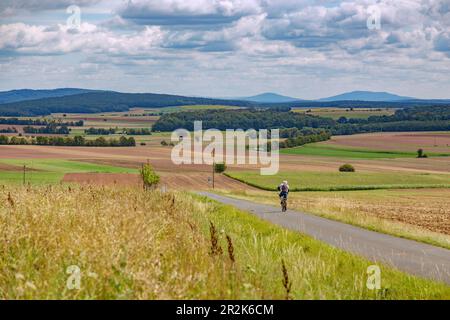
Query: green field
[326,150]
[52,170]
[341,181]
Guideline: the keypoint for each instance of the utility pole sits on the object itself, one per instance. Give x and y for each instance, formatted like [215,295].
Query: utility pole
[213,166]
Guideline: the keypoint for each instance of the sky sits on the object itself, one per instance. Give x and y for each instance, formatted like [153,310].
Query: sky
[228,48]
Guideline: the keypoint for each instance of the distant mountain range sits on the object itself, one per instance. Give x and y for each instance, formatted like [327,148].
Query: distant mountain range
[366,96]
[270,97]
[28,94]
[43,102]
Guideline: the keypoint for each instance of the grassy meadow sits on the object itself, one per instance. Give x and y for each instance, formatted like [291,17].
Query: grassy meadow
[328,150]
[131,244]
[51,170]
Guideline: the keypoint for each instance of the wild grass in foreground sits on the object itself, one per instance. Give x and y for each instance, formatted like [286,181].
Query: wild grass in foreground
[66,242]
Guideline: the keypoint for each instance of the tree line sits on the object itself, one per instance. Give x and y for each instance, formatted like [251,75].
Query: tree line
[52,128]
[128,131]
[242,119]
[39,122]
[8,130]
[77,141]
[299,137]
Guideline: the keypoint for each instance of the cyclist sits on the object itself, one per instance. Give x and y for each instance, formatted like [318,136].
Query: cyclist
[284,190]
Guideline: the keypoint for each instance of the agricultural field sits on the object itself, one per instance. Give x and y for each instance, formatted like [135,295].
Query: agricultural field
[342,181]
[171,246]
[430,142]
[378,146]
[38,171]
[349,113]
[109,175]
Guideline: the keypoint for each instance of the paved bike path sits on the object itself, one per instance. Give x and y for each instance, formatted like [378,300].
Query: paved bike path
[407,255]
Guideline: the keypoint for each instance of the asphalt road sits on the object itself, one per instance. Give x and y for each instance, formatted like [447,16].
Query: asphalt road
[406,255]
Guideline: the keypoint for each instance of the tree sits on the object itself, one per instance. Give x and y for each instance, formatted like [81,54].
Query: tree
[347,168]
[220,167]
[4,140]
[149,177]
[421,154]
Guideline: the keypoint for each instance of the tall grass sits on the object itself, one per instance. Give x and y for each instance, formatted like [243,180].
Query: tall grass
[132,244]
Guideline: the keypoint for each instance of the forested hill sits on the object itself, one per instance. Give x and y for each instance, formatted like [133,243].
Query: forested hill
[104,102]
[435,118]
[240,119]
[29,94]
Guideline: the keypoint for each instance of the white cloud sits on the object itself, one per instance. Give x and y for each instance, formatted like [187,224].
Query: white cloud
[277,43]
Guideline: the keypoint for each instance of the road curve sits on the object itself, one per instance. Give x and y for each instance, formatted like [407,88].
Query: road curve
[406,255]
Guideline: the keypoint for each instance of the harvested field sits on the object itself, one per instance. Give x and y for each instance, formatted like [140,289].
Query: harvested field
[7,167]
[172,181]
[399,141]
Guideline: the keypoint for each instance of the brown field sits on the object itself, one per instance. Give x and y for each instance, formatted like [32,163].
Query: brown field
[7,167]
[398,141]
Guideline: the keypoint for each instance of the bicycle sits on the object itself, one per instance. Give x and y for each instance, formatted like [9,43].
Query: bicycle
[283,204]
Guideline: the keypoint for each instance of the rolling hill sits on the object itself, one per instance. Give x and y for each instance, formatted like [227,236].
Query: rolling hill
[105,101]
[29,94]
[366,96]
[270,97]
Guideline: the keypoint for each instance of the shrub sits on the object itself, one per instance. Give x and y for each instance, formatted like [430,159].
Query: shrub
[149,177]
[164,143]
[220,167]
[421,154]
[347,168]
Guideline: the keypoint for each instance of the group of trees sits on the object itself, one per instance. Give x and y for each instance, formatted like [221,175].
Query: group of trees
[100,131]
[138,132]
[431,118]
[77,141]
[296,137]
[39,122]
[128,131]
[8,130]
[52,128]
[423,118]
[242,119]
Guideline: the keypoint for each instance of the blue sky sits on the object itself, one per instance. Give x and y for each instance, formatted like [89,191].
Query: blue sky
[229,48]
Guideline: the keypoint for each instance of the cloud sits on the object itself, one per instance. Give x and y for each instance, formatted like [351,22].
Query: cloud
[14,7]
[41,40]
[275,42]
[185,13]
